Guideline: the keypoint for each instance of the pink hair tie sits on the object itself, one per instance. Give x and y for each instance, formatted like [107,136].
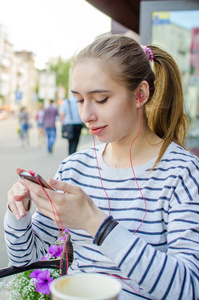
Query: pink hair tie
[148,52]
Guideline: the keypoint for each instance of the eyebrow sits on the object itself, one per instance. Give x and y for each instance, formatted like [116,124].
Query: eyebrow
[92,92]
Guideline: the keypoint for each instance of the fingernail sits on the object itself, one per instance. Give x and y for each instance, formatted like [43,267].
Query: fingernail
[53,181]
[21,213]
[17,217]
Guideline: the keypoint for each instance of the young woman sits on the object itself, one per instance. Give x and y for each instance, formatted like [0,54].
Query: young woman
[130,203]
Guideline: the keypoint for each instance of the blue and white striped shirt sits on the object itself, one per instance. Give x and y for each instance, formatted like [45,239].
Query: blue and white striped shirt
[161,258]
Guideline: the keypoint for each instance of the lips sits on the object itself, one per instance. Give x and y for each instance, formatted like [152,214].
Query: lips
[97,130]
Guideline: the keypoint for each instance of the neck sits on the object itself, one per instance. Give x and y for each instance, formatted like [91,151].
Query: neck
[146,147]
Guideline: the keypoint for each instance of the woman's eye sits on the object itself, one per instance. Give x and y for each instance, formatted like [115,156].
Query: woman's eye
[98,101]
[80,100]
[102,101]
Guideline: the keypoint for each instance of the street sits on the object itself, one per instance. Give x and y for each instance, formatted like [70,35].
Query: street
[33,157]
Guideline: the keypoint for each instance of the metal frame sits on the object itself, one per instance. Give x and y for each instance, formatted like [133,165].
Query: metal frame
[148,7]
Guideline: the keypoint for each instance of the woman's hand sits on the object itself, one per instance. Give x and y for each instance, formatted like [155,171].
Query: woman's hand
[18,200]
[72,205]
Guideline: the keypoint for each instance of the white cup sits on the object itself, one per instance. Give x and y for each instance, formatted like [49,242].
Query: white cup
[91,286]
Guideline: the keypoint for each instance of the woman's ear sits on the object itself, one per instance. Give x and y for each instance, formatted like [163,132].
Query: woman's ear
[142,93]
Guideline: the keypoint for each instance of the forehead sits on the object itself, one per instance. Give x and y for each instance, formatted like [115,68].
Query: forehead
[89,67]
[89,72]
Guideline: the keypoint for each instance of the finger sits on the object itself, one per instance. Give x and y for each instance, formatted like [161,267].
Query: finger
[20,207]
[21,192]
[32,186]
[38,194]
[18,191]
[19,170]
[17,208]
[14,210]
[45,205]
[64,186]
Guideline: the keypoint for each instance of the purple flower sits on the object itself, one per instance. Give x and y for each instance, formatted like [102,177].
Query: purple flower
[59,251]
[64,235]
[35,273]
[63,238]
[54,251]
[43,281]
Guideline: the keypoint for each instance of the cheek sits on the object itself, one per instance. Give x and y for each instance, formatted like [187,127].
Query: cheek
[123,120]
[121,114]
[117,124]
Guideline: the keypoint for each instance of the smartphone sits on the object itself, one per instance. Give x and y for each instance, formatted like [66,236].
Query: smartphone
[28,176]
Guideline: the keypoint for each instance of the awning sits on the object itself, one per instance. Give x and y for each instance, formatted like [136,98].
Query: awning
[125,12]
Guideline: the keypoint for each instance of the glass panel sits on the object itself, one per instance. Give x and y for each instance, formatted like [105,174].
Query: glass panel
[178,33]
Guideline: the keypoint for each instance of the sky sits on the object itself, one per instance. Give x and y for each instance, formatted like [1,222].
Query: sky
[188,19]
[51,28]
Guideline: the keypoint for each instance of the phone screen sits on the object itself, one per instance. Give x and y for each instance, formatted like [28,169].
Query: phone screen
[28,176]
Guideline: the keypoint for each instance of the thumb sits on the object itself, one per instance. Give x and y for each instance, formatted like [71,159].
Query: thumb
[63,186]
[21,192]
[19,170]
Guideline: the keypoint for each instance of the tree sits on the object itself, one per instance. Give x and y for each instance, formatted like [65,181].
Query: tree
[61,68]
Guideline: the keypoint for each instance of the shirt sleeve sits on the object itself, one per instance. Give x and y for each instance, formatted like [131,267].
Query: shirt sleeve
[173,274]
[29,238]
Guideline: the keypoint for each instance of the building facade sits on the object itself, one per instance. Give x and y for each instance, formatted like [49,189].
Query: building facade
[18,76]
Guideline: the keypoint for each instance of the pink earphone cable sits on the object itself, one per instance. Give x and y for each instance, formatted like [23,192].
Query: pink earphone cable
[109,207]
[55,213]
[133,168]
[139,96]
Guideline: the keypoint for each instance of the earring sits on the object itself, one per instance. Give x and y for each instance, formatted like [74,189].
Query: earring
[139,97]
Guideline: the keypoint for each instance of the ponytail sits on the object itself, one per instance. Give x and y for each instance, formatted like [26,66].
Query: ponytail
[165,110]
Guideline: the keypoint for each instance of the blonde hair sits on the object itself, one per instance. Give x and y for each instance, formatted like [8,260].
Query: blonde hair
[165,112]
[128,64]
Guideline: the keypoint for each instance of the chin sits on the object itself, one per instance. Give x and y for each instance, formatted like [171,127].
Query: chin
[103,139]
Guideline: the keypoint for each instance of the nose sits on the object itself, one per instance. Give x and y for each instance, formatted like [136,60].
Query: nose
[87,112]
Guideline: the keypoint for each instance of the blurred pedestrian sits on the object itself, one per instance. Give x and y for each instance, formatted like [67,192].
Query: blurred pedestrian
[50,115]
[70,116]
[24,125]
[40,123]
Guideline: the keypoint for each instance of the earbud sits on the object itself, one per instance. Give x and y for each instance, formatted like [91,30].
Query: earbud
[140,96]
